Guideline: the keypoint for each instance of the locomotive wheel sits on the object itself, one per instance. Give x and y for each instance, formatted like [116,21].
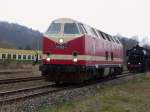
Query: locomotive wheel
[99,73]
[112,73]
[106,72]
[118,71]
[44,73]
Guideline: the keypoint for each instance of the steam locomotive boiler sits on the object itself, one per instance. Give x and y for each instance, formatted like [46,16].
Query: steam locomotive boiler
[138,59]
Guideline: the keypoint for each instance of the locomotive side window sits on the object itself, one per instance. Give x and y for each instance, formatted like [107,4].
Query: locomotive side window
[82,28]
[106,35]
[112,38]
[70,28]
[119,40]
[116,39]
[100,33]
[54,28]
[93,32]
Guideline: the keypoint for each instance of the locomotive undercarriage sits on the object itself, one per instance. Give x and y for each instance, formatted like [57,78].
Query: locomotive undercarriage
[77,73]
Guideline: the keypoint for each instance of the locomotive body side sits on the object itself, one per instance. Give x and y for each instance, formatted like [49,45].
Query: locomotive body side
[102,52]
[80,56]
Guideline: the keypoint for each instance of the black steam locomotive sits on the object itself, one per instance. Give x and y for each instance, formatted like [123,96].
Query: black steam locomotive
[138,59]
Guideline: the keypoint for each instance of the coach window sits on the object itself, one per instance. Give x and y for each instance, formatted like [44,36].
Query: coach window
[9,56]
[14,56]
[54,28]
[3,56]
[112,56]
[24,56]
[19,56]
[70,28]
[32,57]
[106,53]
[29,57]
[82,28]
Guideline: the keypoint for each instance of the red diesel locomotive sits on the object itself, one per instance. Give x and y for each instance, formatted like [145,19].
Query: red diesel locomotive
[75,52]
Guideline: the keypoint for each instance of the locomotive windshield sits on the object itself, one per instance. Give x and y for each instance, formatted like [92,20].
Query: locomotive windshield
[54,28]
[70,28]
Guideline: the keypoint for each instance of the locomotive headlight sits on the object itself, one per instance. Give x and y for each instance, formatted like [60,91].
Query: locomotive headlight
[139,63]
[75,59]
[48,59]
[61,40]
[128,63]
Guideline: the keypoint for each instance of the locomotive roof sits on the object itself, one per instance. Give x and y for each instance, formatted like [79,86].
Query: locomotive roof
[16,51]
[64,20]
[88,29]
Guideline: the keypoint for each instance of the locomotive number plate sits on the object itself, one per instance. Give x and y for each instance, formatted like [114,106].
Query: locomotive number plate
[61,46]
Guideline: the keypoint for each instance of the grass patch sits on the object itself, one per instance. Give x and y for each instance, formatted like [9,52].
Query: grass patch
[129,96]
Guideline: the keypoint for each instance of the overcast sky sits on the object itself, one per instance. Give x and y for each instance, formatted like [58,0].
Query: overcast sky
[127,17]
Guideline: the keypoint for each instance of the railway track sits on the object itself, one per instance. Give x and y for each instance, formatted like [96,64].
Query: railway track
[14,71]
[17,80]
[31,92]
[25,93]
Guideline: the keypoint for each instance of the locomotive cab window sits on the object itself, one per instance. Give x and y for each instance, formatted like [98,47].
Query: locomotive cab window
[54,28]
[70,28]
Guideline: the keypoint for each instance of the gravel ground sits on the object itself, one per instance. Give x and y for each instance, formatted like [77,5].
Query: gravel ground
[33,105]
